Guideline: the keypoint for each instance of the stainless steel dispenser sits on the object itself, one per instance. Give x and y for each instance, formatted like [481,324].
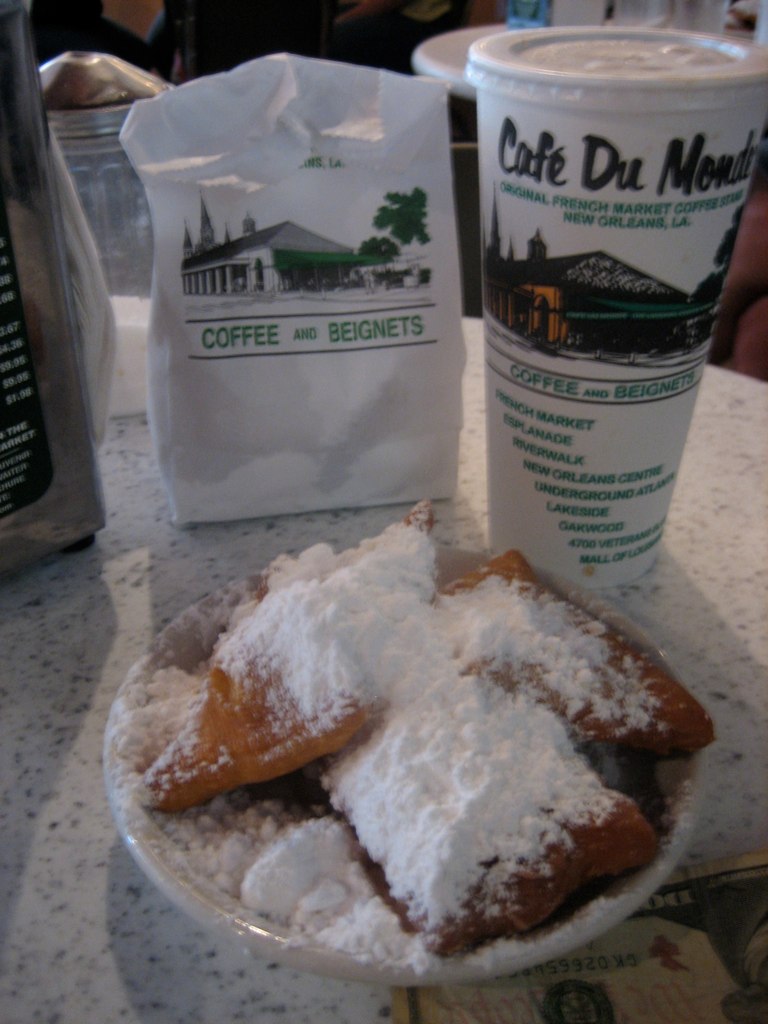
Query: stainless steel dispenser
[87,97]
[50,497]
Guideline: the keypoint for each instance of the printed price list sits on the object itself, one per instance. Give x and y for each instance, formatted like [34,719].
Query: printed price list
[25,462]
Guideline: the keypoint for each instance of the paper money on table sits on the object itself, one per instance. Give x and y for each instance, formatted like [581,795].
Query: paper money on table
[697,951]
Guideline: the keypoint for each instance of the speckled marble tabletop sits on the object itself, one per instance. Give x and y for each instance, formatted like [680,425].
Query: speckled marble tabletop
[86,939]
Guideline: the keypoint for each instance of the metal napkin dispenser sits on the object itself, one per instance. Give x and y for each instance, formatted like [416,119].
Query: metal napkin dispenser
[50,497]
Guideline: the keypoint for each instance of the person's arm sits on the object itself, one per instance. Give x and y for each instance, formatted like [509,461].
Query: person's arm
[741,332]
[367,8]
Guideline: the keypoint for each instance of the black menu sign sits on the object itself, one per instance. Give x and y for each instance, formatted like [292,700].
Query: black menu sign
[25,462]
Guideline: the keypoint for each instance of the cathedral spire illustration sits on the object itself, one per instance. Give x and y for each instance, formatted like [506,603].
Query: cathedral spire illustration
[207,236]
[494,242]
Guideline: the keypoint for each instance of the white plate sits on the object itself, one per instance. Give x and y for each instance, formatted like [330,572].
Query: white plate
[189,640]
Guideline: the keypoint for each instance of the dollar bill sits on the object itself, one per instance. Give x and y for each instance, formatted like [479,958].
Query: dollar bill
[696,951]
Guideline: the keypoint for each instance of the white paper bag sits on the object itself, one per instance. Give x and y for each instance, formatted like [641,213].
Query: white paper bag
[305,347]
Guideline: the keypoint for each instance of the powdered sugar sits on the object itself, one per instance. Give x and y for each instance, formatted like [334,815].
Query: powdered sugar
[511,627]
[298,871]
[218,841]
[307,877]
[453,774]
[327,624]
[436,795]
[151,713]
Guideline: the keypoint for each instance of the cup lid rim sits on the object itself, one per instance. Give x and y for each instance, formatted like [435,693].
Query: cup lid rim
[512,55]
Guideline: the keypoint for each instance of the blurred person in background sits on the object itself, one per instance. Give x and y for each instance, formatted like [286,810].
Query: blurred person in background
[384,33]
[190,38]
[59,26]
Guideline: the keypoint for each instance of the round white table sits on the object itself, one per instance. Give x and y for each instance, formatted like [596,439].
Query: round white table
[88,939]
[444,56]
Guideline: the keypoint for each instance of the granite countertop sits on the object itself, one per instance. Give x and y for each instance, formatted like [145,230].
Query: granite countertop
[87,938]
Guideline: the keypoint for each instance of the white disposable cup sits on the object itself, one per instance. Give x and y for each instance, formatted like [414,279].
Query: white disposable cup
[577,12]
[613,167]
[761,28]
[650,13]
[700,15]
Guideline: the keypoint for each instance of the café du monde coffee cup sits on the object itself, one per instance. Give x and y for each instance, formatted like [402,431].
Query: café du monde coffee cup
[613,167]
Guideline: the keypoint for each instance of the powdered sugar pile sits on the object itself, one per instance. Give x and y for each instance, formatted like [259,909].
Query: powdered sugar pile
[438,795]
[455,772]
[337,627]
[505,626]
[459,773]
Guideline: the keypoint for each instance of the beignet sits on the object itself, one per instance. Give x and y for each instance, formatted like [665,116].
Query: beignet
[485,827]
[293,678]
[445,726]
[241,732]
[585,671]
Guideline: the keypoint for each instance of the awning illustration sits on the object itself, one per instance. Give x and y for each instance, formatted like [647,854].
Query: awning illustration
[295,259]
[616,309]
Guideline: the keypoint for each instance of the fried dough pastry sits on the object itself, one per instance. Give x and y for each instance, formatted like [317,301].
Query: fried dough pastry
[449,725]
[511,566]
[627,699]
[241,732]
[248,726]
[490,818]
[490,765]
[530,893]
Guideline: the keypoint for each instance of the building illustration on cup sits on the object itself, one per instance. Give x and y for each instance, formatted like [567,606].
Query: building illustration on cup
[593,305]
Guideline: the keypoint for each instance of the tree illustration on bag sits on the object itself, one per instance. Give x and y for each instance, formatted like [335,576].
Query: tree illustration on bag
[404,216]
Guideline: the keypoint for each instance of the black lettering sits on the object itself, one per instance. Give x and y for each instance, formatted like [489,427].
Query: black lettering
[603,164]
[696,170]
[679,168]
[544,163]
